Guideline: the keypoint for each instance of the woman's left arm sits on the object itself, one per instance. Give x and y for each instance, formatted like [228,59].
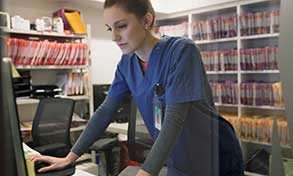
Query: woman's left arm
[171,129]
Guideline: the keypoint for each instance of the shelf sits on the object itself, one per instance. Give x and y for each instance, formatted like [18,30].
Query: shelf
[227,105]
[263,107]
[25,101]
[220,72]
[234,39]
[260,72]
[250,106]
[78,97]
[263,143]
[49,34]
[261,36]
[50,67]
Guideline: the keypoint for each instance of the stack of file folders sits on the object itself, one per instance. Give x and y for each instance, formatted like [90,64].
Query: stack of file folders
[216,27]
[38,53]
[259,58]
[220,60]
[258,128]
[174,30]
[253,23]
[257,93]
[224,92]
[22,86]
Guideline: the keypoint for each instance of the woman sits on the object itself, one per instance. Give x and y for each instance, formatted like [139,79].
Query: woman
[168,82]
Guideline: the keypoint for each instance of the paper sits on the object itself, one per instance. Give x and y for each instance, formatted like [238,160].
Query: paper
[28,152]
[15,73]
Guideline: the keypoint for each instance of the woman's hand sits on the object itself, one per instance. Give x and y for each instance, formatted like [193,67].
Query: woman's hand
[142,173]
[54,162]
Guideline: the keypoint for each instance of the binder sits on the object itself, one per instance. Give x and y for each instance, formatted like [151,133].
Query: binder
[75,22]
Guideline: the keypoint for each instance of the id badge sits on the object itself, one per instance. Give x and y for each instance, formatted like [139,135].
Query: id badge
[158,113]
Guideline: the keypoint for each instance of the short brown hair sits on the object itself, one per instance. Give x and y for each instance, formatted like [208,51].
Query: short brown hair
[137,7]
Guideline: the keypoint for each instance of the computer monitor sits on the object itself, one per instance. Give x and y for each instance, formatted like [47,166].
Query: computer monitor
[122,114]
[12,161]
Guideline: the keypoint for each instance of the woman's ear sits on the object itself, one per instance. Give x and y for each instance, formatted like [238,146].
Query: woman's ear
[148,20]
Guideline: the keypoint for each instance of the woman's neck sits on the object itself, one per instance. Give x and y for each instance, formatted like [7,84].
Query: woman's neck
[145,50]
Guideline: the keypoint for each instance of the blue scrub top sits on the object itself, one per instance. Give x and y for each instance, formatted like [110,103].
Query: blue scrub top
[176,65]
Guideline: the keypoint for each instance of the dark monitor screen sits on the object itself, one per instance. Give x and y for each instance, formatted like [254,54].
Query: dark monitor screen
[122,114]
[12,157]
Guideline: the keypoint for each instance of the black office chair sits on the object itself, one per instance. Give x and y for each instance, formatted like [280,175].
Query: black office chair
[139,142]
[51,126]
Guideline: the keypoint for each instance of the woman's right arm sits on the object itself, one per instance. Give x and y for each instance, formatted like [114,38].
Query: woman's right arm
[96,125]
[93,131]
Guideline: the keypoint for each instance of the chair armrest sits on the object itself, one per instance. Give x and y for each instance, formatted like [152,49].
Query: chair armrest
[103,144]
[68,170]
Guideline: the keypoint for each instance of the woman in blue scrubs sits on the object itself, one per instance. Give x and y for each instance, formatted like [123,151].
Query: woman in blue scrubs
[167,79]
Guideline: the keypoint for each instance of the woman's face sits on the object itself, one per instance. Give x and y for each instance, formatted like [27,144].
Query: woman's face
[127,30]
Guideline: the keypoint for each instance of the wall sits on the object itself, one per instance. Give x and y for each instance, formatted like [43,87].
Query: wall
[108,55]
[105,55]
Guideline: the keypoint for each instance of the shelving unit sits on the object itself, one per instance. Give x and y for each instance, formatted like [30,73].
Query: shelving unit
[260,36]
[234,39]
[220,72]
[226,105]
[26,101]
[48,74]
[227,39]
[263,107]
[261,72]
[264,143]
[50,67]
[43,34]
[220,31]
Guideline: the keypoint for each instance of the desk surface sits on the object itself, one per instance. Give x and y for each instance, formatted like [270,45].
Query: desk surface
[27,132]
[79,172]
[118,128]
[113,127]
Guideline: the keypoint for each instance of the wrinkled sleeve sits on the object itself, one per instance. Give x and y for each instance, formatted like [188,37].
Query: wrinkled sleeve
[119,88]
[96,126]
[184,82]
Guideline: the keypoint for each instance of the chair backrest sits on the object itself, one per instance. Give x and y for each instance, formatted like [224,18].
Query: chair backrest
[52,121]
